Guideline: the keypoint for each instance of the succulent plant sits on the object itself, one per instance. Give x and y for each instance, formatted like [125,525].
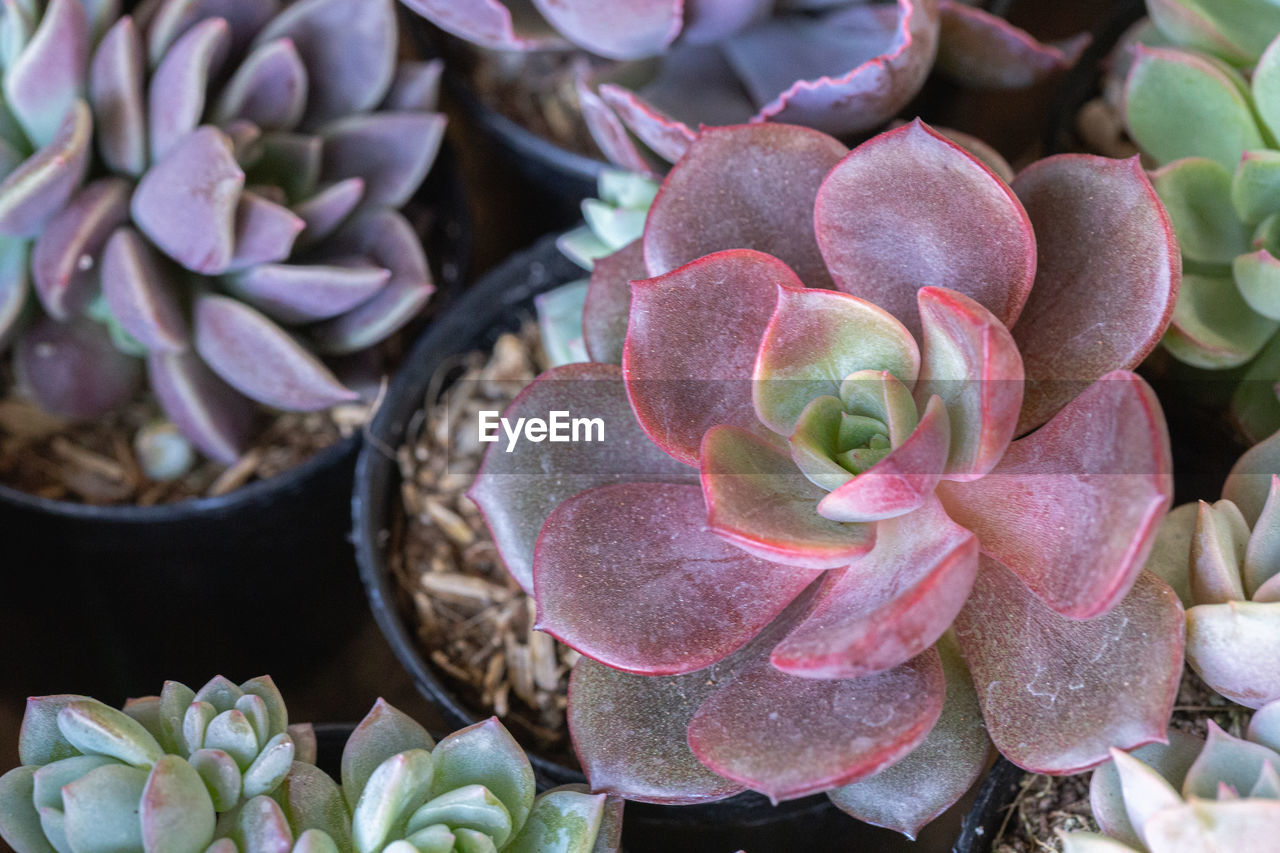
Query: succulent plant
[472,791]
[159,775]
[244,222]
[1202,98]
[1222,560]
[841,66]
[810,476]
[1191,795]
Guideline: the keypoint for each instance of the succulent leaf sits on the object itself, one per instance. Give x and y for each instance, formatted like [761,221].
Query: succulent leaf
[764,180]
[1118,697]
[393,790]
[117,95]
[914,790]
[73,369]
[1217,552]
[176,96]
[1115,427]
[32,193]
[1106,795]
[269,88]
[888,606]
[62,262]
[1181,104]
[46,80]
[655,539]
[886,257]
[983,50]
[1222,641]
[1095,307]
[175,810]
[556,472]
[390,151]
[486,754]
[1212,326]
[210,412]
[221,776]
[760,501]
[382,733]
[101,810]
[19,820]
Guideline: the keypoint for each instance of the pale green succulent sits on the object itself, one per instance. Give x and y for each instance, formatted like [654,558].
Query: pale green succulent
[1190,795]
[163,774]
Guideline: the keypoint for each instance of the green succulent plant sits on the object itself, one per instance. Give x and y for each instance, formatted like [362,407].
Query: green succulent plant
[1190,795]
[163,774]
[1202,98]
[220,771]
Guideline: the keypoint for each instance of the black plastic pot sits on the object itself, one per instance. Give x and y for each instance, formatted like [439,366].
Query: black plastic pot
[497,304]
[111,600]
[991,808]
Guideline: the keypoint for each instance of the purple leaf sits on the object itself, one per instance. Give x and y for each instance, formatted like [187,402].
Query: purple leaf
[214,416]
[709,21]
[970,361]
[910,209]
[856,98]
[748,187]
[916,789]
[37,189]
[269,89]
[325,211]
[265,232]
[63,264]
[517,491]
[415,87]
[760,501]
[888,606]
[1106,281]
[607,129]
[647,546]
[901,482]
[116,91]
[14,255]
[691,346]
[173,18]
[261,360]
[46,80]
[608,305]
[787,737]
[140,287]
[814,340]
[496,24]
[392,152]
[1058,693]
[187,202]
[72,369]
[348,47]
[981,50]
[667,137]
[1073,509]
[176,97]
[632,29]
[387,240]
[296,294]
[629,733]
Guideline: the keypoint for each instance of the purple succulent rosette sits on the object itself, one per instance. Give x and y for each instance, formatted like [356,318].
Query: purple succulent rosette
[841,66]
[814,555]
[243,225]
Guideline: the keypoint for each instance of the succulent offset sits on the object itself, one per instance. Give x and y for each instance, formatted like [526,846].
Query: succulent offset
[1222,560]
[164,773]
[221,771]
[841,66]
[243,226]
[1191,795]
[811,500]
[1202,97]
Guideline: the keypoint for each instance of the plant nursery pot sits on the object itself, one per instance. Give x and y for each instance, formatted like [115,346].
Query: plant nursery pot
[260,579]
[996,795]
[497,304]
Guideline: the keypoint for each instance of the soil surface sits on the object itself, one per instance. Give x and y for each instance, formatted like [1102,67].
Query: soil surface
[473,622]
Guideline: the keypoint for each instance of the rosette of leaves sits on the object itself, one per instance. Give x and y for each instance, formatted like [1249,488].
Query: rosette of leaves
[811,499]
[244,224]
[1202,98]
[842,66]
[163,774]
[1222,559]
[472,791]
[1190,795]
